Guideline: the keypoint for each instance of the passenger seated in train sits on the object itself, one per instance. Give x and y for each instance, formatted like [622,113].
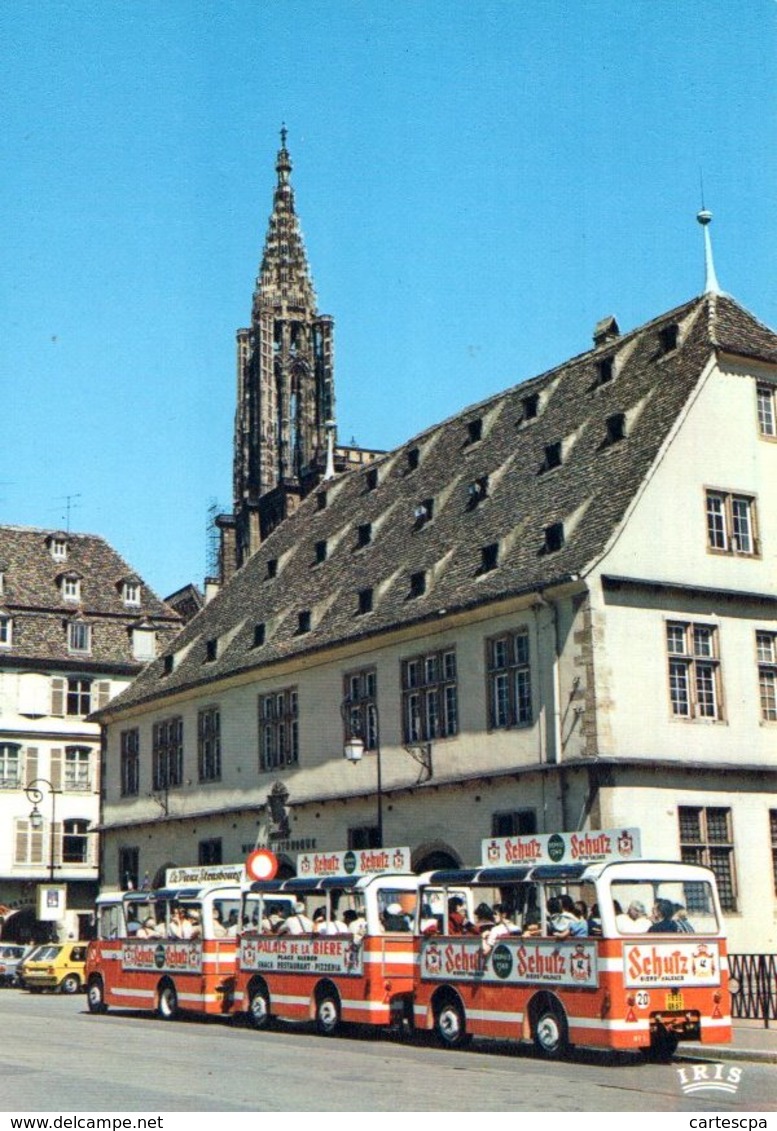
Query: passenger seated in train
[298,923]
[394,918]
[563,920]
[355,923]
[458,924]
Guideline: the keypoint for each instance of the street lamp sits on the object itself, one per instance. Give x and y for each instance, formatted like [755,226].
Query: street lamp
[35,795]
[354,747]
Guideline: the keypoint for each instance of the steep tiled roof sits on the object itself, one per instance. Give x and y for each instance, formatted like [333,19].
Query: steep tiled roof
[496,504]
[32,596]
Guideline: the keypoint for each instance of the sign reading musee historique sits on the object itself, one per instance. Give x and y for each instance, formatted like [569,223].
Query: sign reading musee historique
[356,862]
[599,846]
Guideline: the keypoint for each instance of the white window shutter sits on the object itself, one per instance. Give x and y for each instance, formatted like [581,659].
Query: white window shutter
[103,694]
[58,692]
[56,767]
[30,764]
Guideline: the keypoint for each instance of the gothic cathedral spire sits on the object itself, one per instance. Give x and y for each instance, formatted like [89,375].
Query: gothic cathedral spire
[285,383]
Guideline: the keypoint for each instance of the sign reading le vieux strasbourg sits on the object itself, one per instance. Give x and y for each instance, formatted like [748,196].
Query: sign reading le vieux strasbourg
[598,846]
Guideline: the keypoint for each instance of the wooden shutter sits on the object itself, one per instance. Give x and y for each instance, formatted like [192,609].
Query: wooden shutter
[55,773]
[102,695]
[30,764]
[56,851]
[21,845]
[94,774]
[58,693]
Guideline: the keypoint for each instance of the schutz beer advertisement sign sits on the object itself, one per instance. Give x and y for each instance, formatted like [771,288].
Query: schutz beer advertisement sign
[358,862]
[182,956]
[299,955]
[599,846]
[683,963]
[517,960]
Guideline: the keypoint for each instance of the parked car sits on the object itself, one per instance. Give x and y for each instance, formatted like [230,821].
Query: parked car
[55,966]
[11,957]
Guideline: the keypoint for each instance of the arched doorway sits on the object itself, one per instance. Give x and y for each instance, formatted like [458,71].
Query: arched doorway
[434,858]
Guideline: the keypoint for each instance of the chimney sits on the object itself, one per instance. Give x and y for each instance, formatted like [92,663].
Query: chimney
[606,330]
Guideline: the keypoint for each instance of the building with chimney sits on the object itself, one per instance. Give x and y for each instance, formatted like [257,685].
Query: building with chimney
[556,610]
[76,624]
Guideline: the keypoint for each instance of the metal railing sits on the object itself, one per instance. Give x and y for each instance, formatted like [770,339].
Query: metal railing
[753,984]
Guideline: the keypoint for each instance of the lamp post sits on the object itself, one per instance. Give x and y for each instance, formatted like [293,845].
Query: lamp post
[354,747]
[35,795]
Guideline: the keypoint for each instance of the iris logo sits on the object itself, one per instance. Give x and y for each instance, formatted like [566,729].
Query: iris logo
[709,1078]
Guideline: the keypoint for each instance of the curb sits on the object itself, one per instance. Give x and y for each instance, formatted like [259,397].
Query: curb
[728,1052]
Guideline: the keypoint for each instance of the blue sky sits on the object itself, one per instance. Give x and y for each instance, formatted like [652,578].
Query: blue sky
[478,183]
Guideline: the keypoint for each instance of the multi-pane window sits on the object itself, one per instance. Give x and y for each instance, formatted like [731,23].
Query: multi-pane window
[79,636]
[209,744]
[706,838]
[167,753]
[71,588]
[766,649]
[278,729]
[10,765]
[767,410]
[429,697]
[518,822]
[75,841]
[58,549]
[361,714]
[509,680]
[694,670]
[130,762]
[131,592]
[78,766]
[6,631]
[731,523]
[79,696]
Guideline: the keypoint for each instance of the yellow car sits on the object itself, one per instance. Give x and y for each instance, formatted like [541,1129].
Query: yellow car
[55,966]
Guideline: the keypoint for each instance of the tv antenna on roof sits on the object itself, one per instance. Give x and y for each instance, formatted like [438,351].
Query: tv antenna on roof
[69,506]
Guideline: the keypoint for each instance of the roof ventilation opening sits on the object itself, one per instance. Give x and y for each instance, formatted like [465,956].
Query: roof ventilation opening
[169,664]
[530,408]
[418,583]
[606,330]
[552,456]
[272,567]
[477,491]
[211,650]
[321,551]
[423,513]
[304,622]
[413,459]
[616,428]
[364,534]
[489,558]
[554,537]
[365,601]
[259,635]
[605,370]
[372,478]
[475,430]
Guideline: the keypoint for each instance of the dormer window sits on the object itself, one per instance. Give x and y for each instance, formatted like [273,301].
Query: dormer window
[489,557]
[418,583]
[71,587]
[58,547]
[552,456]
[477,491]
[605,370]
[530,407]
[79,637]
[554,537]
[130,592]
[668,336]
[6,630]
[475,430]
[424,513]
[616,428]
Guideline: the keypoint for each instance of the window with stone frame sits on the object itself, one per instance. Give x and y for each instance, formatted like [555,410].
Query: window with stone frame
[767,410]
[75,841]
[732,526]
[77,776]
[278,729]
[430,708]
[10,765]
[509,680]
[766,649]
[209,744]
[167,753]
[360,716]
[129,868]
[706,837]
[694,670]
[130,762]
[79,696]
[79,637]
[6,631]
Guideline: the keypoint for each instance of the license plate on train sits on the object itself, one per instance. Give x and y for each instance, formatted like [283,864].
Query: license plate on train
[674,1001]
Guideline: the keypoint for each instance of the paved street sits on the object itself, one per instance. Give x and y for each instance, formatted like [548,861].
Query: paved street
[57,1057]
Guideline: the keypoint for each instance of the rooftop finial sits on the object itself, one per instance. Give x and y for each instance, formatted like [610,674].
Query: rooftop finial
[284,135]
[711,284]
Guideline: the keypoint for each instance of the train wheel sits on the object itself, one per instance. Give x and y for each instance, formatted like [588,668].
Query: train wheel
[328,1014]
[167,1002]
[551,1036]
[95,996]
[450,1025]
[259,1008]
